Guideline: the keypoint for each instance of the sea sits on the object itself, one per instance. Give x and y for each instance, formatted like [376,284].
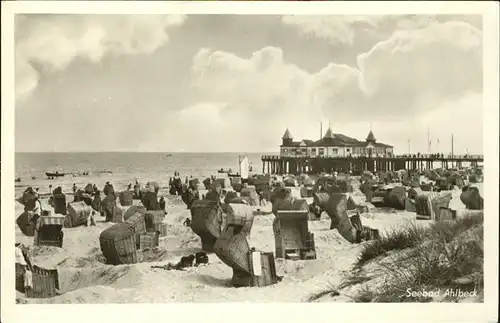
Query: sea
[121,168]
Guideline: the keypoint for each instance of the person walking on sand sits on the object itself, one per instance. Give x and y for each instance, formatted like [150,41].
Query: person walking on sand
[74,188]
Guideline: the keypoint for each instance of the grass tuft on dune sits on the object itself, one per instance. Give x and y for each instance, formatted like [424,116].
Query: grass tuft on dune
[443,256]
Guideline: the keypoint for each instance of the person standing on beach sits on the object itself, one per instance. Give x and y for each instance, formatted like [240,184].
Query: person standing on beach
[162,203]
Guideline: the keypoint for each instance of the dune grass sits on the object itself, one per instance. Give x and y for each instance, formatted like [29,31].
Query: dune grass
[444,256]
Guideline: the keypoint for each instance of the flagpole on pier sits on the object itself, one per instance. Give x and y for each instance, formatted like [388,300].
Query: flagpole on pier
[452,151]
[428,140]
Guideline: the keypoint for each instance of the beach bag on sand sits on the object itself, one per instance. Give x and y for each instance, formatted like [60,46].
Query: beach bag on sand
[126,198]
[395,198]
[249,194]
[138,222]
[78,214]
[206,221]
[471,198]
[25,224]
[239,215]
[118,244]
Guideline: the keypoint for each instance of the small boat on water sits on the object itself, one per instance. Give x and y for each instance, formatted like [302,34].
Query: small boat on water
[222,171]
[54,175]
[104,172]
[18,180]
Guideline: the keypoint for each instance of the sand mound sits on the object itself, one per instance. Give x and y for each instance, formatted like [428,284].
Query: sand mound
[331,238]
[155,255]
[174,200]
[71,279]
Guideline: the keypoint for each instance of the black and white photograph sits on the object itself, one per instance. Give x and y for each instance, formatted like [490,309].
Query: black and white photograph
[174,157]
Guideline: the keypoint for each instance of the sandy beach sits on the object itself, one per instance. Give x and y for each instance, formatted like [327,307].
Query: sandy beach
[85,278]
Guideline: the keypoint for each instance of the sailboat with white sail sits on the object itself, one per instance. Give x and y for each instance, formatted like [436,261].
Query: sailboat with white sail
[244,167]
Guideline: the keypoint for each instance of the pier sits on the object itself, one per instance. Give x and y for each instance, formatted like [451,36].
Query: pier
[276,164]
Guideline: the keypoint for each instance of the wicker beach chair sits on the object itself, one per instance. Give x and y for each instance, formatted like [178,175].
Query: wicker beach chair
[78,214]
[291,235]
[118,244]
[49,231]
[206,221]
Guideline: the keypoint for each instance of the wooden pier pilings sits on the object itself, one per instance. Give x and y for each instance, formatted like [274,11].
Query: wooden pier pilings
[275,164]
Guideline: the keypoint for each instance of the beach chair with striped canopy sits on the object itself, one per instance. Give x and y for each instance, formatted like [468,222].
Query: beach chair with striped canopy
[49,232]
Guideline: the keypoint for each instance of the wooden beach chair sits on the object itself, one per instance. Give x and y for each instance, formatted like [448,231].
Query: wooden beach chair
[292,237]
[250,268]
[48,231]
[45,283]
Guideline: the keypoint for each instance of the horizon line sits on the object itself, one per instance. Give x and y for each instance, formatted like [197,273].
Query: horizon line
[147,152]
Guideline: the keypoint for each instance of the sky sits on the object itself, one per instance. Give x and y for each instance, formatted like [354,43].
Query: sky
[221,83]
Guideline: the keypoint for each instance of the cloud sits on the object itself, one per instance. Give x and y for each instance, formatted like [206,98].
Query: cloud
[421,68]
[409,74]
[52,42]
[337,29]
